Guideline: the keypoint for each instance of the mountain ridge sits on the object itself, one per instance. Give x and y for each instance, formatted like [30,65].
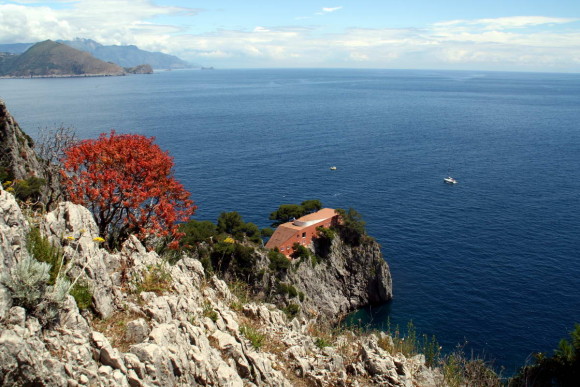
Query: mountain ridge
[125,56]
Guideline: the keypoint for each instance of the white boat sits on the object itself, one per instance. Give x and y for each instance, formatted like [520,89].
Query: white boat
[333,168]
[450,180]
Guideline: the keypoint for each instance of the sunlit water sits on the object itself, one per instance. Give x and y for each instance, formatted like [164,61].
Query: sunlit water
[493,261]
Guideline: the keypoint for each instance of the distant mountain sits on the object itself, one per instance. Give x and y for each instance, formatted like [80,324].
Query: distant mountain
[127,56]
[15,48]
[50,58]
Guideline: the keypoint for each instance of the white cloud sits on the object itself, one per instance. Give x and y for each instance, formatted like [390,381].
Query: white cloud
[331,9]
[106,21]
[327,10]
[503,23]
[510,43]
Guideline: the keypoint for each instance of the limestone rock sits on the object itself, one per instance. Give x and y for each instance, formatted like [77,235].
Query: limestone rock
[137,331]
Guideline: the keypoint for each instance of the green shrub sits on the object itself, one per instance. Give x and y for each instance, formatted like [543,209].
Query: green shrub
[278,261]
[291,310]
[28,283]
[43,251]
[300,252]
[252,334]
[28,189]
[325,232]
[82,294]
[352,227]
[209,312]
[321,342]
[561,369]
[237,260]
[197,231]
[301,296]
[156,279]
[5,174]
[288,289]
[266,232]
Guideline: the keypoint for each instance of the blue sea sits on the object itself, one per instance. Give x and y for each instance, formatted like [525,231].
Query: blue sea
[492,263]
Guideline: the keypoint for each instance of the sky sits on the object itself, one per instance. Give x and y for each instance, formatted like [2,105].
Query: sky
[501,35]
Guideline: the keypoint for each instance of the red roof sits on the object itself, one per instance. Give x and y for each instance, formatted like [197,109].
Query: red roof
[286,230]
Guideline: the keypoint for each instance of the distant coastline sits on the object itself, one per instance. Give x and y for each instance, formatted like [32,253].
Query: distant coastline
[65,76]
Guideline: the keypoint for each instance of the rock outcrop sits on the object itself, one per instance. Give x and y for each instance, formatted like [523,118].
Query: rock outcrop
[154,324]
[19,161]
[348,279]
[17,148]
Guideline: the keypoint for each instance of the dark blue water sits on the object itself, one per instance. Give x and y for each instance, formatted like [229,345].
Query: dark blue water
[493,261]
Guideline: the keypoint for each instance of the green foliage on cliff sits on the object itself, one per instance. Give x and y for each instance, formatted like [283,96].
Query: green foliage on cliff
[234,260]
[562,369]
[43,251]
[352,228]
[196,232]
[278,261]
[287,212]
[28,189]
[233,224]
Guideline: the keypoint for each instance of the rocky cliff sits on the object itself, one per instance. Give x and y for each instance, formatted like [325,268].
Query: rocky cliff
[345,279]
[17,148]
[154,324]
[19,161]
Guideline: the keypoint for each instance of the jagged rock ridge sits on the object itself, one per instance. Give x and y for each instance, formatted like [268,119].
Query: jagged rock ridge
[19,161]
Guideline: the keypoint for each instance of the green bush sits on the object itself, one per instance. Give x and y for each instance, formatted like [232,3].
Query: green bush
[288,289]
[5,174]
[321,342]
[28,189]
[209,312]
[156,279]
[561,369]
[325,232]
[82,294]
[287,212]
[352,227]
[291,310]
[252,334]
[300,252]
[43,251]
[228,222]
[28,283]
[197,231]
[278,261]
[266,232]
[235,260]
[301,296]
[232,223]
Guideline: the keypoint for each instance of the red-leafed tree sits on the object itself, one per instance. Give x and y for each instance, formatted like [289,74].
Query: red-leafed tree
[127,182]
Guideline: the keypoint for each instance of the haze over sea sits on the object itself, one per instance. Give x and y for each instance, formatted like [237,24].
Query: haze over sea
[493,261]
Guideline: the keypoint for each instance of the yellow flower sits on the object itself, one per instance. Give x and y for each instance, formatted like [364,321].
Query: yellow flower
[70,238]
[98,239]
[229,240]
